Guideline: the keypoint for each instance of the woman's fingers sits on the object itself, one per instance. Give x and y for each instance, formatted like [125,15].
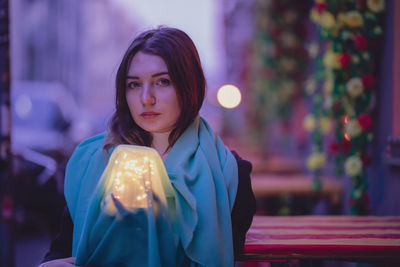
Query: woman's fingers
[70,260]
[65,262]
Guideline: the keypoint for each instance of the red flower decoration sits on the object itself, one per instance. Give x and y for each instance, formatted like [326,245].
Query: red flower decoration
[336,105]
[360,42]
[320,7]
[368,81]
[366,160]
[365,121]
[345,59]
[345,146]
[334,147]
[361,4]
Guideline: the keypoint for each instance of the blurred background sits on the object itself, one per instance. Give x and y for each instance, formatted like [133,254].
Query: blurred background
[308,91]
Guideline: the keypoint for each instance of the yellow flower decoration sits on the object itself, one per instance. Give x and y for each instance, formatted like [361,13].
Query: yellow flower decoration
[365,55]
[355,59]
[341,19]
[316,161]
[353,128]
[325,124]
[309,123]
[354,19]
[376,5]
[355,87]
[336,61]
[378,30]
[331,60]
[314,15]
[327,20]
[353,166]
[328,86]
[328,59]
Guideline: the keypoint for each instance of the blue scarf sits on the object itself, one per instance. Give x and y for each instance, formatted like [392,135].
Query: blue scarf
[204,177]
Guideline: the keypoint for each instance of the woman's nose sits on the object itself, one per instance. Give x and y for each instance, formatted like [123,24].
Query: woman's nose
[147,96]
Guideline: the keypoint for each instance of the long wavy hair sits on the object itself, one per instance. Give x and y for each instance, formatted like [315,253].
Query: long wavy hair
[182,59]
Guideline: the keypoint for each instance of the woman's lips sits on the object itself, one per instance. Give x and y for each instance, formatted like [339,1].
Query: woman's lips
[149,115]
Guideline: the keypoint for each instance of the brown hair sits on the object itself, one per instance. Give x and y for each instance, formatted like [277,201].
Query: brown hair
[180,55]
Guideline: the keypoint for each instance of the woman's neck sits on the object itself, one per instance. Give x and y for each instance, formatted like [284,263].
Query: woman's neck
[160,143]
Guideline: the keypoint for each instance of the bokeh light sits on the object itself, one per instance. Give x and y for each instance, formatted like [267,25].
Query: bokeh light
[229,96]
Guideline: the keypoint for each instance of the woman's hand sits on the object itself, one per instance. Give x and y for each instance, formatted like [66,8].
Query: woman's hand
[65,262]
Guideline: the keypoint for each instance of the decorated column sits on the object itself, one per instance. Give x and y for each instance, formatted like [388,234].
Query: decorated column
[353,29]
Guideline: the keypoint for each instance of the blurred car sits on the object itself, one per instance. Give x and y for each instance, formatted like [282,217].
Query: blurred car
[46,117]
[46,125]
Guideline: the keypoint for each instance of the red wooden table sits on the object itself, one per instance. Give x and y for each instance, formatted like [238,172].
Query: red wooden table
[349,238]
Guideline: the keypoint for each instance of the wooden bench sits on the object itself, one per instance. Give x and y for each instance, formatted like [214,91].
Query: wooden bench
[272,185]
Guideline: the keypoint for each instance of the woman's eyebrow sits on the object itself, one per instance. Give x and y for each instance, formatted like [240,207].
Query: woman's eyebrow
[159,73]
[154,75]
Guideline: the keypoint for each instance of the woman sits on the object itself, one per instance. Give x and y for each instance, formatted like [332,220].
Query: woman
[160,89]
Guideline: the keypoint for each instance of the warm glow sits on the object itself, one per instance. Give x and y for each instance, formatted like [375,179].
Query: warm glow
[229,96]
[134,175]
[346,119]
[131,178]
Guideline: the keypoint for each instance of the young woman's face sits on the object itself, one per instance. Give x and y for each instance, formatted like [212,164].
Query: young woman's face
[151,95]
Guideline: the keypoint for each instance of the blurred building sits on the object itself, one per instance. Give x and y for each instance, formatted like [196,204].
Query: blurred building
[75,43]
[238,36]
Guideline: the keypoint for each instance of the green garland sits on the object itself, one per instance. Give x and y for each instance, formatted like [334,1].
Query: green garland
[279,61]
[354,30]
[318,123]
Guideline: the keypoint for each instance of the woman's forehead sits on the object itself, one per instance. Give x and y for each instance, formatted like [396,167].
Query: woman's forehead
[146,64]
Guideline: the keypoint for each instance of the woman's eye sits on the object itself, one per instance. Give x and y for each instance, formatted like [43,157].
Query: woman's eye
[133,85]
[163,82]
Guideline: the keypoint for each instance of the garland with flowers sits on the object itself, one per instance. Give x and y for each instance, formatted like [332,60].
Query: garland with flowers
[279,61]
[354,31]
[318,123]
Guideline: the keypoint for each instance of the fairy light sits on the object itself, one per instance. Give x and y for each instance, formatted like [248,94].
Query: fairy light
[132,180]
[346,121]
